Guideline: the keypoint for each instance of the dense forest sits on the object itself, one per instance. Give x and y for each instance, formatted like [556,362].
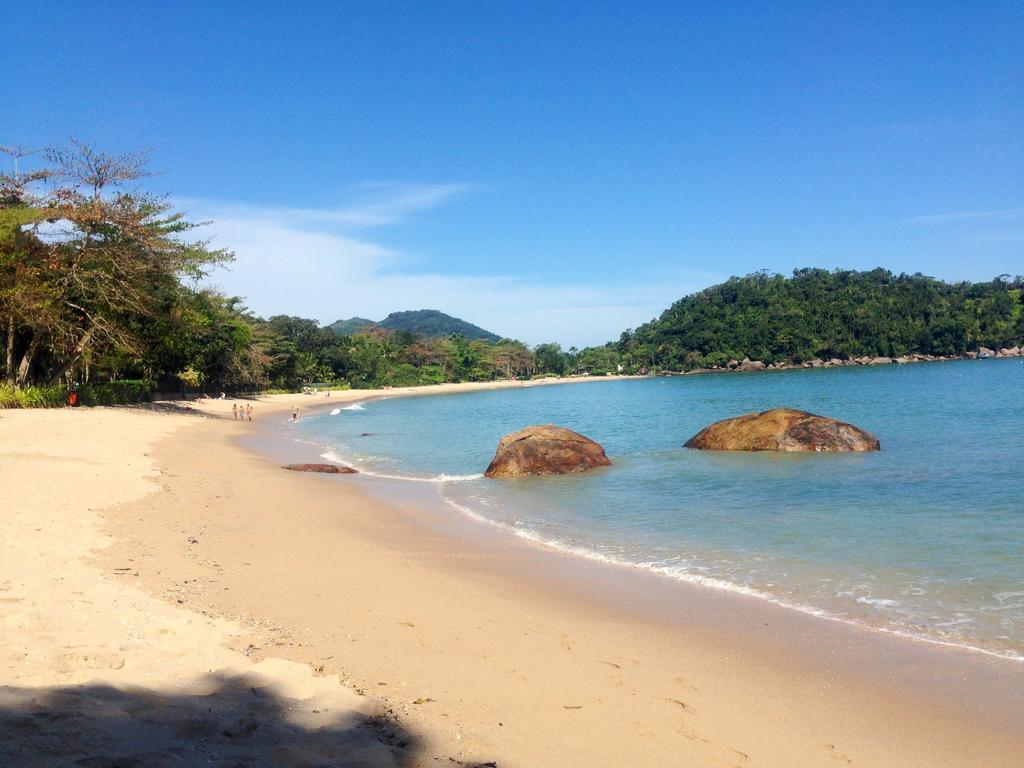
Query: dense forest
[821,314]
[101,291]
[422,322]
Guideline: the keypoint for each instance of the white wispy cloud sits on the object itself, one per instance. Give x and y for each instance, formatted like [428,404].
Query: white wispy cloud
[1005,214]
[392,202]
[308,262]
[379,204]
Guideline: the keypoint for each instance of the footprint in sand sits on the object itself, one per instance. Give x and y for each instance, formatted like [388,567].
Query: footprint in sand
[681,704]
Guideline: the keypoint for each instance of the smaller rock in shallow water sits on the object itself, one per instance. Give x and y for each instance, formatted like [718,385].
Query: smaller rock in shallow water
[330,469]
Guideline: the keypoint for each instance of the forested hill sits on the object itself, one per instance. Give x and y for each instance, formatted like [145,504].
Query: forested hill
[821,314]
[422,322]
[352,325]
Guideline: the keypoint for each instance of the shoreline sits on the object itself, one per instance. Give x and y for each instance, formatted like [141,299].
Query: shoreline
[626,567]
[731,588]
[483,647]
[794,642]
[757,366]
[436,496]
[381,486]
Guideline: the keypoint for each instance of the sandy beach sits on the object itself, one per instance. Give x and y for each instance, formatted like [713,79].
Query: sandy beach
[169,596]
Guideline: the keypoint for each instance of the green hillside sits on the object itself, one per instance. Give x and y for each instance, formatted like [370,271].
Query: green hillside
[824,314]
[352,325]
[422,322]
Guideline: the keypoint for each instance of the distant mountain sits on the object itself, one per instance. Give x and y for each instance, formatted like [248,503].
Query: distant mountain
[422,322]
[350,326]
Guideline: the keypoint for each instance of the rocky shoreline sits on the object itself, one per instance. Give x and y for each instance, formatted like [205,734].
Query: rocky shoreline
[747,365]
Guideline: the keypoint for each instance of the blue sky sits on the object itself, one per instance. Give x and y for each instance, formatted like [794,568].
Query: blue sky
[551,171]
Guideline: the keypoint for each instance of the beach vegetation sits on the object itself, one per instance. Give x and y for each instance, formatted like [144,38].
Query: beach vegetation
[90,265]
[12,396]
[550,359]
[116,392]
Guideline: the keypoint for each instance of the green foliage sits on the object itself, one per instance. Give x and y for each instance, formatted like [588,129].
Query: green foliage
[599,361]
[108,393]
[32,397]
[821,314]
[116,392]
[90,267]
[13,219]
[352,325]
[714,359]
[296,351]
[551,359]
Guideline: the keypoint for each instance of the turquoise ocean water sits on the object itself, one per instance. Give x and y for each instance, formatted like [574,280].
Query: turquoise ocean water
[924,538]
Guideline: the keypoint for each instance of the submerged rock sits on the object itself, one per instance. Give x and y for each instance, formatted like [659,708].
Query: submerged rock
[545,449]
[330,469]
[783,429]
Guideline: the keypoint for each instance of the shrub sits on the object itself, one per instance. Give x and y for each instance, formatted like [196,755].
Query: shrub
[32,397]
[116,392]
[432,374]
[715,358]
[403,375]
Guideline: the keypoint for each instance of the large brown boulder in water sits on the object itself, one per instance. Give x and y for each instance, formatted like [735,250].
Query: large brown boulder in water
[783,429]
[545,450]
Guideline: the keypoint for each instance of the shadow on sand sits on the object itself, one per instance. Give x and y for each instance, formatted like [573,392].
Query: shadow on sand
[221,722]
[179,407]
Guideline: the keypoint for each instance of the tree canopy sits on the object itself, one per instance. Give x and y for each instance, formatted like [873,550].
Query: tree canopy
[87,262]
[824,314]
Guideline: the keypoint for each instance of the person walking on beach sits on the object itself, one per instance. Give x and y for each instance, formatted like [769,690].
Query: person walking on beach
[295,415]
[234,410]
[248,411]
